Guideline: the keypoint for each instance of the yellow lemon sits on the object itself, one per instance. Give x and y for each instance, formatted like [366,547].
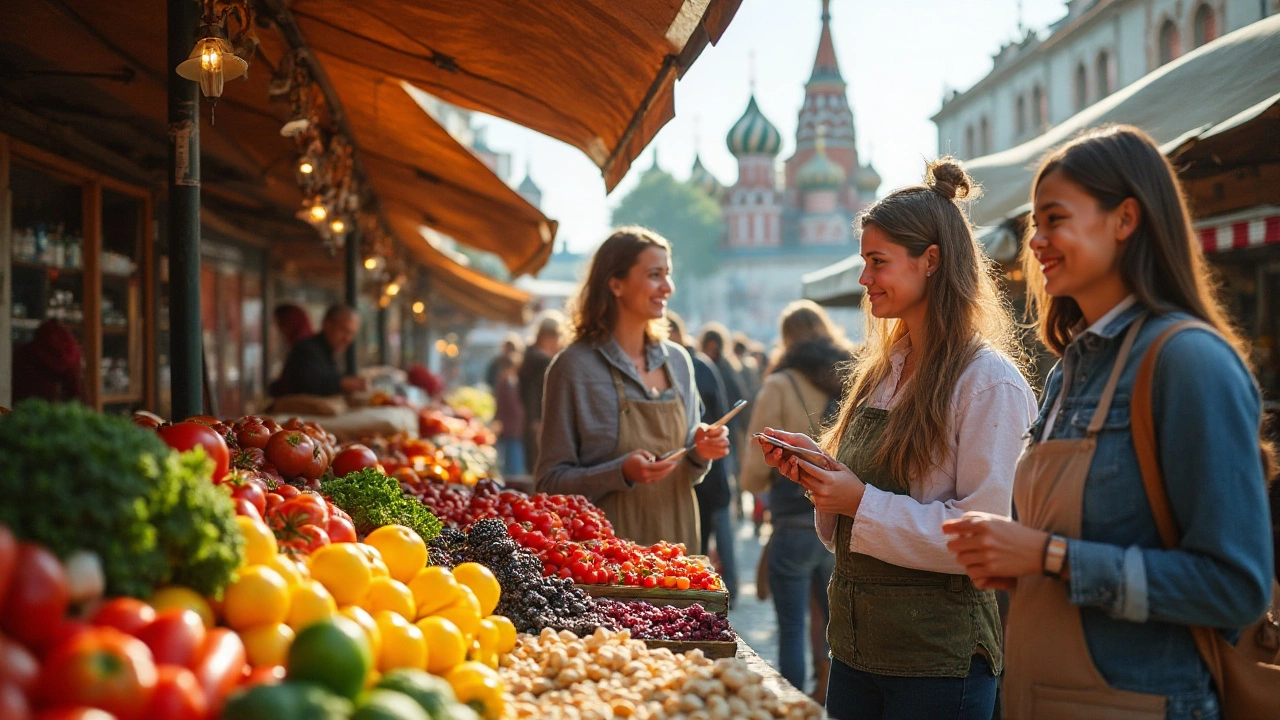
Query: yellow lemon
[177,596]
[482,582]
[402,550]
[447,647]
[376,564]
[403,644]
[433,588]
[387,594]
[267,645]
[310,603]
[258,597]
[259,541]
[464,612]
[506,632]
[366,622]
[342,569]
[288,569]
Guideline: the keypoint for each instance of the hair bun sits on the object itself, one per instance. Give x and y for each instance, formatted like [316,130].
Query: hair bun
[945,177]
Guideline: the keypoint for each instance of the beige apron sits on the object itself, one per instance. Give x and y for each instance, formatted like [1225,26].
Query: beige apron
[668,509]
[1049,673]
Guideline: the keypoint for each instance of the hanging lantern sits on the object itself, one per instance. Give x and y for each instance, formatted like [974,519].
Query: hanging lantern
[212,62]
[393,289]
[318,212]
[370,263]
[306,168]
[338,226]
[419,307]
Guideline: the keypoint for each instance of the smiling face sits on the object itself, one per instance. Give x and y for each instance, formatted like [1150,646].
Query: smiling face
[1076,241]
[643,292]
[896,283]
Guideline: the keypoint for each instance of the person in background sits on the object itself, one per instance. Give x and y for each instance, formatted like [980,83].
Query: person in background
[510,418]
[713,492]
[49,367]
[800,393]
[622,395]
[1102,611]
[930,427]
[430,383]
[752,372]
[312,366]
[547,341]
[511,350]
[715,345]
[294,326]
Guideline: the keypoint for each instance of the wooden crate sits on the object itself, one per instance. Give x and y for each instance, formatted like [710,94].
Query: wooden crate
[711,600]
[710,648]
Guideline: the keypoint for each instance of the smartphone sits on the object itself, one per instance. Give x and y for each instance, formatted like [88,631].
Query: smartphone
[788,449]
[680,452]
[674,454]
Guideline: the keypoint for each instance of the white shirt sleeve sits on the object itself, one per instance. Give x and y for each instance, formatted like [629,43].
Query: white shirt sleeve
[901,530]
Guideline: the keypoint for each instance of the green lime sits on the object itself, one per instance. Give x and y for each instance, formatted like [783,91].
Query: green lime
[431,692]
[389,705]
[333,653]
[286,701]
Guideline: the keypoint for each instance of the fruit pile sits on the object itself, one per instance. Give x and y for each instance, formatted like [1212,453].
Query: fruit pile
[653,622]
[531,601]
[608,674]
[443,458]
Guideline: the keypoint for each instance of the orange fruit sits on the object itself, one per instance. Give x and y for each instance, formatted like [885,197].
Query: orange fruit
[448,649]
[482,582]
[310,603]
[344,572]
[506,632]
[267,645]
[464,612]
[402,549]
[366,623]
[387,594]
[403,644]
[259,541]
[260,596]
[433,588]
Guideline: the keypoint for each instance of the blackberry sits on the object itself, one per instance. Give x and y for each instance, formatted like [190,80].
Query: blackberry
[487,531]
[448,538]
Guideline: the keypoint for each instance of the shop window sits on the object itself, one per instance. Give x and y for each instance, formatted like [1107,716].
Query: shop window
[1020,115]
[1206,25]
[984,135]
[968,141]
[1081,87]
[1039,108]
[1106,74]
[1170,42]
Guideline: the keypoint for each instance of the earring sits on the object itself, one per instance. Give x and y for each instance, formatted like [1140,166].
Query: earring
[928,273]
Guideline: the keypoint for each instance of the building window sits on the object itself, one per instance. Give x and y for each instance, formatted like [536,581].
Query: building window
[1206,25]
[1106,74]
[1170,42]
[984,135]
[1039,108]
[1081,87]
[1020,115]
[968,141]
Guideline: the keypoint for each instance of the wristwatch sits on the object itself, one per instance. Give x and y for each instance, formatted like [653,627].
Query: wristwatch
[1055,556]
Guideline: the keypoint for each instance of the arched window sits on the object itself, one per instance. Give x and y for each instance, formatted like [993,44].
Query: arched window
[968,141]
[1170,42]
[1081,87]
[984,135]
[1039,109]
[1020,115]
[1206,25]
[1105,74]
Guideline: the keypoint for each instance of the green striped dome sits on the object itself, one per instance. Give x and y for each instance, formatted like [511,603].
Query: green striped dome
[821,172]
[753,134]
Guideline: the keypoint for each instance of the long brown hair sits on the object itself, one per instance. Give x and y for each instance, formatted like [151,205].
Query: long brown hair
[594,310]
[806,321]
[966,312]
[1160,263]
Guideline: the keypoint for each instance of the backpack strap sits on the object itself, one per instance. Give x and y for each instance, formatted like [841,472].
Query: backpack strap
[808,416]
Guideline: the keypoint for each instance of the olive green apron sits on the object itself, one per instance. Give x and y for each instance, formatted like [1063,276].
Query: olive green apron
[668,509]
[892,620]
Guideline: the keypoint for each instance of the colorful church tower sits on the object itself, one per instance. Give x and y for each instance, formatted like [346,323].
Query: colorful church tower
[753,206]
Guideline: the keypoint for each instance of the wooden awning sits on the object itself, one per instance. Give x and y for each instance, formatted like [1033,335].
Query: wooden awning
[597,74]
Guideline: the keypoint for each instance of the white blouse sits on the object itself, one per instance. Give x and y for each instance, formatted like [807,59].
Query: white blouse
[992,408]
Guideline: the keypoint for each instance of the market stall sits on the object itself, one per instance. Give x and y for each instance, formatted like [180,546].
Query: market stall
[252,569]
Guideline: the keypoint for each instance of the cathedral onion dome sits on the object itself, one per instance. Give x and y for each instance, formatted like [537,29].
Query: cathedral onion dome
[821,172]
[753,134]
[868,179]
[701,178]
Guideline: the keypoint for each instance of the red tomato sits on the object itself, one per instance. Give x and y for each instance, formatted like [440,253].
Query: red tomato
[66,629]
[287,491]
[273,501]
[219,665]
[174,636]
[177,696]
[252,493]
[292,452]
[74,713]
[102,668]
[37,597]
[265,675]
[246,508]
[341,530]
[13,702]
[8,559]
[184,436]
[308,508]
[17,665]
[253,435]
[128,615]
[353,458]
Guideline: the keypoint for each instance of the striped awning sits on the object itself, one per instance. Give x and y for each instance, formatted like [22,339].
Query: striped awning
[1253,228]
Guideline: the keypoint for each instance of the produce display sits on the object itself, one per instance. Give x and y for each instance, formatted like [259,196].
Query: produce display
[664,622]
[608,674]
[443,458]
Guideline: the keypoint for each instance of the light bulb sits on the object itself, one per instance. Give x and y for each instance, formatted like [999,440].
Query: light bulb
[370,263]
[393,289]
[211,63]
[306,168]
[337,225]
[319,212]
[441,346]
[419,307]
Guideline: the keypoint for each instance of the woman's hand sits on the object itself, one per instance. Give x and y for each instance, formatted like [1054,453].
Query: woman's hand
[711,444]
[776,458]
[833,489]
[642,467]
[994,549]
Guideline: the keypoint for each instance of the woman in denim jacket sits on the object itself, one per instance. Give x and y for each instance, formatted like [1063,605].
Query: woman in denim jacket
[1101,611]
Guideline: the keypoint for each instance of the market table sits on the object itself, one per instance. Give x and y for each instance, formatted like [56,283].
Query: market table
[772,679]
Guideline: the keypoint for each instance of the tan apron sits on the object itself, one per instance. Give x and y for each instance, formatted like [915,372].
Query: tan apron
[1049,673]
[668,509]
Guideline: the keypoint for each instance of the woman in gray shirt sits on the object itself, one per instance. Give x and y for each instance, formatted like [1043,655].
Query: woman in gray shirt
[621,396]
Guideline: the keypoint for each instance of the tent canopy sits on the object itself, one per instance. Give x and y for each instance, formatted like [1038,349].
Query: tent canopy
[1192,94]
[836,285]
[597,74]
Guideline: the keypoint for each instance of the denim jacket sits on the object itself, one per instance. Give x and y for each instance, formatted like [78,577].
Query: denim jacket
[1136,599]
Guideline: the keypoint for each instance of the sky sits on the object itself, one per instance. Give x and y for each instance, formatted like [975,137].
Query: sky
[898,57]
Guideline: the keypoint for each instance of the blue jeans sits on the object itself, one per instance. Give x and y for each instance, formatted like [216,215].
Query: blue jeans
[857,695]
[798,565]
[511,456]
[720,522]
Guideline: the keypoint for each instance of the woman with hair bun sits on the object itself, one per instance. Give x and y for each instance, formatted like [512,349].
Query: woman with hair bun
[622,396]
[929,428]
